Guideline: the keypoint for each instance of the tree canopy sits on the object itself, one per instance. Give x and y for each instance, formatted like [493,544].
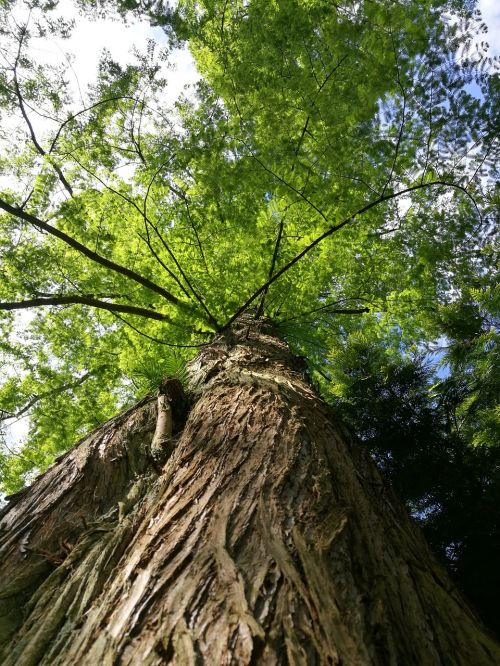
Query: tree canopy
[335,170]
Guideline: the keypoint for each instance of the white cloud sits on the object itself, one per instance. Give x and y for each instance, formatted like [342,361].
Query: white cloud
[90,37]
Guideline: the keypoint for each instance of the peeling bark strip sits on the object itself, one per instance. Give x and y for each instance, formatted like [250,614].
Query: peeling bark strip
[269,538]
[162,439]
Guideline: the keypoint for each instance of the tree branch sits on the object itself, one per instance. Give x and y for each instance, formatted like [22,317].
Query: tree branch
[198,297]
[79,113]
[283,181]
[157,340]
[147,223]
[147,240]
[184,198]
[211,319]
[40,396]
[330,308]
[137,142]
[34,140]
[168,249]
[90,254]
[401,127]
[260,309]
[84,300]
[308,118]
[336,227]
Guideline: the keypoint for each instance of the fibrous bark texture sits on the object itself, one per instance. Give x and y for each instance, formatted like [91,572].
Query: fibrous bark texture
[268,538]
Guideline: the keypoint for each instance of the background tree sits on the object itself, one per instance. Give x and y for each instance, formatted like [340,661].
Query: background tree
[411,425]
[335,173]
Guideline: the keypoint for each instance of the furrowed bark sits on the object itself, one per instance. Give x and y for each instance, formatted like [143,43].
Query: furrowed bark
[269,538]
[76,498]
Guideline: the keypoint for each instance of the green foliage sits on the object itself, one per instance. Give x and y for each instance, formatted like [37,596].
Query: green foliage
[307,113]
[450,483]
[151,371]
[471,392]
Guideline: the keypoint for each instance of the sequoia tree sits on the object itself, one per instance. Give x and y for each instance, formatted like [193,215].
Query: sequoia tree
[333,175]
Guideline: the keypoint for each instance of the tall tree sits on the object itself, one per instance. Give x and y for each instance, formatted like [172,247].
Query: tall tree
[334,174]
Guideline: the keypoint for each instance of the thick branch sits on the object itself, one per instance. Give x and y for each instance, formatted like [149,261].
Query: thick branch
[84,300]
[90,254]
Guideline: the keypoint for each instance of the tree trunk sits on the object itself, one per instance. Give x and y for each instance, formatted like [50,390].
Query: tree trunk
[267,538]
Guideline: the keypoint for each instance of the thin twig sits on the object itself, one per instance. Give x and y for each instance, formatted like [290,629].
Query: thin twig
[260,309]
[34,139]
[328,306]
[401,127]
[157,340]
[46,394]
[211,318]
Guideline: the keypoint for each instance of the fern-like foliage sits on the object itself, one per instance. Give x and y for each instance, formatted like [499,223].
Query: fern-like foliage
[150,372]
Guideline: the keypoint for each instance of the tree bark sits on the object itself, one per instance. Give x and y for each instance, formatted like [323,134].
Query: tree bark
[269,537]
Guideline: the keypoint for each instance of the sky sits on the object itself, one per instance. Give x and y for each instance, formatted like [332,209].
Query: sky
[490,9]
[89,38]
